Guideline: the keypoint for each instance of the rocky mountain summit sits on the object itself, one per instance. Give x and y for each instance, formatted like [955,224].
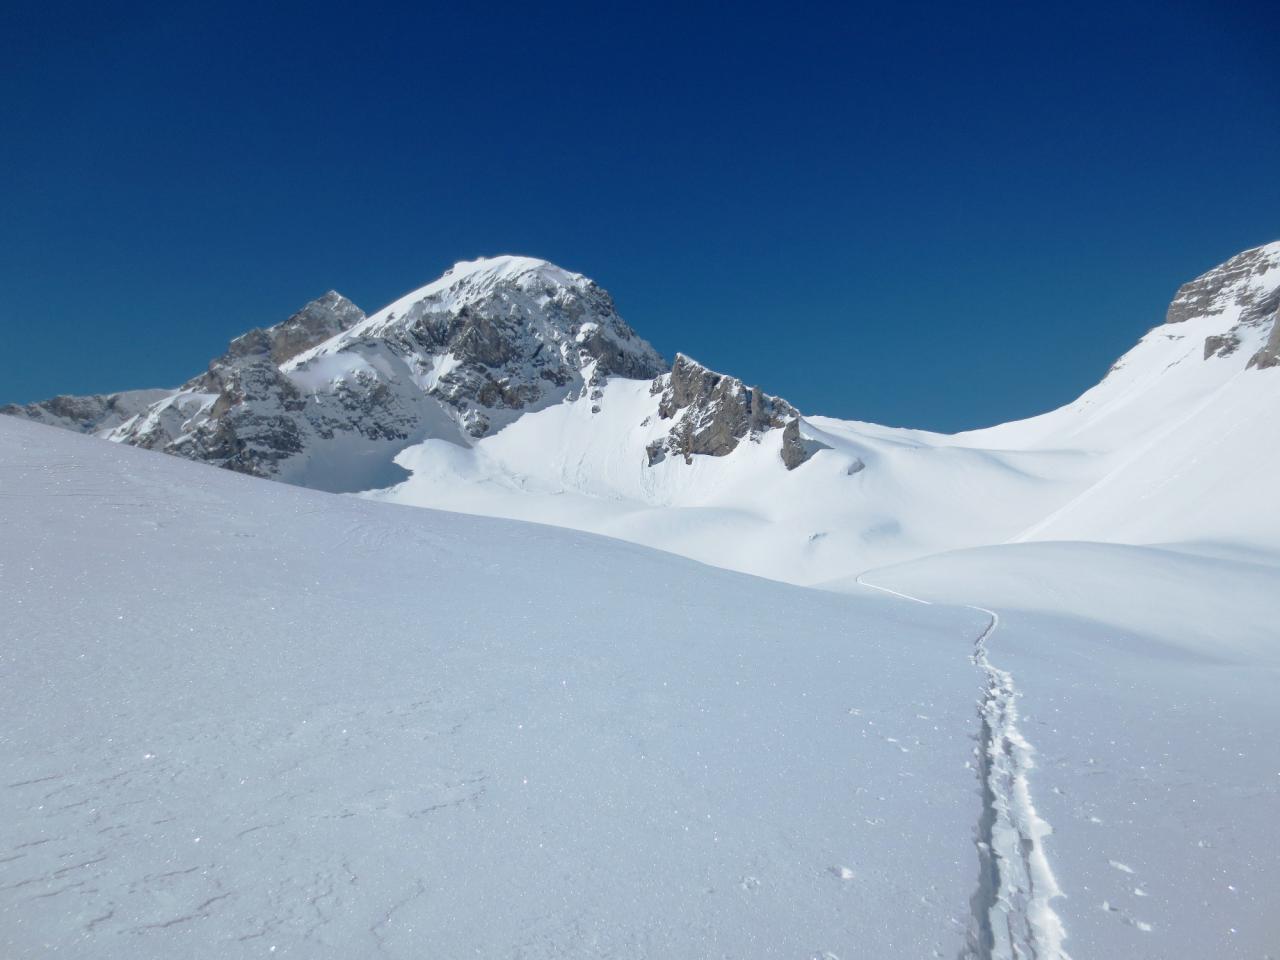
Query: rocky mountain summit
[328,397]
[1245,293]
[494,338]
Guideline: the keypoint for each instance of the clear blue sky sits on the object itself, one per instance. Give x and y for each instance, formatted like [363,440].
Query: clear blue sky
[930,215]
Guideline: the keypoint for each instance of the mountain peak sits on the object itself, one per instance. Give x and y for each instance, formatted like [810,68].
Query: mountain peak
[507,266]
[1241,287]
[329,396]
[469,281]
[1237,301]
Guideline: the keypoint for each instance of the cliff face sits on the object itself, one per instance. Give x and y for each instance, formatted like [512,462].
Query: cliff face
[1245,293]
[712,413]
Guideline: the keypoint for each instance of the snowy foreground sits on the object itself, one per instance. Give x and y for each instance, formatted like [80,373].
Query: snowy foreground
[246,719]
[242,718]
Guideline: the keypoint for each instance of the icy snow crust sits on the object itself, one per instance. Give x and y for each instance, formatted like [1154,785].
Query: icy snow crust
[243,719]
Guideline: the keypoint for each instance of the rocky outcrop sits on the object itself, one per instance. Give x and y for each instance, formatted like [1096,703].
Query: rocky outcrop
[91,414]
[1221,345]
[1268,354]
[1245,292]
[1239,282]
[320,320]
[712,413]
[241,412]
[797,448]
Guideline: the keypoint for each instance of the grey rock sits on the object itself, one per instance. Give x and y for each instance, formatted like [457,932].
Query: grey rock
[1237,284]
[311,326]
[1227,284]
[712,413]
[797,448]
[1269,354]
[1221,345]
[90,414]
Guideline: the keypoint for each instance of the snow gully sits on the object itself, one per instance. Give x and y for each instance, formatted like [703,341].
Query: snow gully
[1012,917]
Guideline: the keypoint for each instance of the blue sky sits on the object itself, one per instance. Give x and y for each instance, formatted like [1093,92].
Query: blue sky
[929,215]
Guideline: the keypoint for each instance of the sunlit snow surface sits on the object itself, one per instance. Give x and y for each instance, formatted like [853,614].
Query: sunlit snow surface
[242,719]
[1148,683]
[245,719]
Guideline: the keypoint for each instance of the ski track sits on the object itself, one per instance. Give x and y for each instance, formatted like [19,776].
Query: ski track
[1012,915]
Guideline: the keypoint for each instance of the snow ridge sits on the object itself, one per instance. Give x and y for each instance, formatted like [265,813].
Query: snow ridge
[1012,915]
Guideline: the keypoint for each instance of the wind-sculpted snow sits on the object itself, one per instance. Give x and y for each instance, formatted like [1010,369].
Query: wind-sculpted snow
[244,719]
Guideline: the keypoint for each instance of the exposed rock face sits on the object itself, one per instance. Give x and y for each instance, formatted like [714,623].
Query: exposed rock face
[92,414]
[1245,292]
[1234,283]
[1269,354]
[243,413]
[796,447]
[713,413]
[496,337]
[315,323]
[1221,345]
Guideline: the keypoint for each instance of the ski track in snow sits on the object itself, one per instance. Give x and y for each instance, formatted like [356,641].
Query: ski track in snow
[1012,916]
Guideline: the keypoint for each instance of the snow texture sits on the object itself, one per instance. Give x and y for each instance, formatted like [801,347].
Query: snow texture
[245,718]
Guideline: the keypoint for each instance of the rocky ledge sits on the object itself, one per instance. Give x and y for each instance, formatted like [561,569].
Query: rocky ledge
[713,413]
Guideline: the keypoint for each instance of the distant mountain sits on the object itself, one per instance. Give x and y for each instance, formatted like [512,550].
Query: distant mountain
[512,387]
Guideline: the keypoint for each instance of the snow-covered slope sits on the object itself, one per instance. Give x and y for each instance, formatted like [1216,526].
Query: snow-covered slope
[1146,679]
[511,387]
[243,719]
[1173,445]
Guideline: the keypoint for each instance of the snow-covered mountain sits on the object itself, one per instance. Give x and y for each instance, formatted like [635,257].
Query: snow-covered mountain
[329,396]
[1173,427]
[513,388]
[245,719]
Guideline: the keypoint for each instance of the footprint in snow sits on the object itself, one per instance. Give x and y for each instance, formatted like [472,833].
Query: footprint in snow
[1126,918]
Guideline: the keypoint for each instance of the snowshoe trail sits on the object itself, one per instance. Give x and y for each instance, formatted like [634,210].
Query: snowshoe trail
[1012,914]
